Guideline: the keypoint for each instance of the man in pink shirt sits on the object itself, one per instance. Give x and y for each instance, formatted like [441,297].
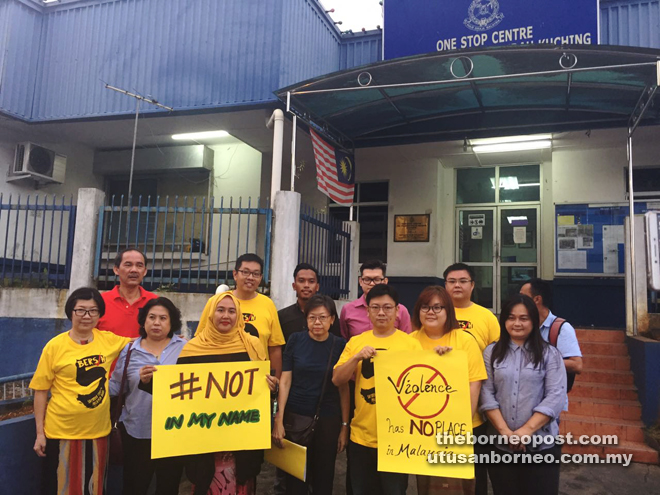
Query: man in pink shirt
[354,318]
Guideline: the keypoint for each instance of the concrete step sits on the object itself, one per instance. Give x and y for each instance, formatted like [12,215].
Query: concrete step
[625,430]
[603,348]
[605,408]
[640,451]
[620,377]
[592,390]
[604,362]
[594,335]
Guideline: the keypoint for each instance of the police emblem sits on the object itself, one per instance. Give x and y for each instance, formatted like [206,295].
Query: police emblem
[483,15]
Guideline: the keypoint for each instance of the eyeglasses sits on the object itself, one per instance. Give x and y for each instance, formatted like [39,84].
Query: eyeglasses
[387,308]
[372,281]
[453,281]
[312,319]
[248,273]
[82,312]
[436,309]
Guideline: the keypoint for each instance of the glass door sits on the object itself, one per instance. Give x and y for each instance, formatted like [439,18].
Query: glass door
[517,247]
[501,244]
[476,246]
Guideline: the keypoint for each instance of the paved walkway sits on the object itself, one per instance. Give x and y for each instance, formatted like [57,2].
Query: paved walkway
[576,479]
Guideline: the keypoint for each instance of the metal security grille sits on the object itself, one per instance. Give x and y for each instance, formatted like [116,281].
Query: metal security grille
[325,243]
[36,241]
[191,243]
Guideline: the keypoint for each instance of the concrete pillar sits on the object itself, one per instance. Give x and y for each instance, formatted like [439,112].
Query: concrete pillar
[641,277]
[285,247]
[84,242]
[354,270]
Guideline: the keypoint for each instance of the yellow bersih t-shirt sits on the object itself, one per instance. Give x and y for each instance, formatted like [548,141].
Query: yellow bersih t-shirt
[363,426]
[261,313]
[459,340]
[481,323]
[77,377]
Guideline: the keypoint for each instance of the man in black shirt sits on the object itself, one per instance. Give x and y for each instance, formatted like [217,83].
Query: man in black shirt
[306,284]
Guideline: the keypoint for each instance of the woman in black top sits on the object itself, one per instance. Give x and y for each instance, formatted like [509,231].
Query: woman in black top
[307,357]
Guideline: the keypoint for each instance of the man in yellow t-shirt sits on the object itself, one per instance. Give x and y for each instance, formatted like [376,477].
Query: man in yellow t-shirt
[484,327]
[257,309]
[356,360]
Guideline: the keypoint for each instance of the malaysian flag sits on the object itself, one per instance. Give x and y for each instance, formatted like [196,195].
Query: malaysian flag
[335,171]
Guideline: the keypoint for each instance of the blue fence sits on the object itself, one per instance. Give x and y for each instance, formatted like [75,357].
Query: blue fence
[36,241]
[191,243]
[326,244]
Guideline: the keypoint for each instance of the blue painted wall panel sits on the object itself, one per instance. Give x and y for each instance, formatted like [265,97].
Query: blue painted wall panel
[188,55]
[20,31]
[30,335]
[645,365]
[360,49]
[630,23]
[20,467]
[310,44]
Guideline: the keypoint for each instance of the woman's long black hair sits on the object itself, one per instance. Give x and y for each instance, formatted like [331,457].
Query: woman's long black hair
[535,343]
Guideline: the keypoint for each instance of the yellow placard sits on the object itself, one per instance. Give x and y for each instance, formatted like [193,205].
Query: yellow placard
[420,395]
[565,220]
[292,458]
[217,407]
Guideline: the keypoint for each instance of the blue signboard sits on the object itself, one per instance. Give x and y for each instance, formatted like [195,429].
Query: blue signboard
[413,27]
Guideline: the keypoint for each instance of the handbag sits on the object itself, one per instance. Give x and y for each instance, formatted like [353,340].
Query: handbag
[299,428]
[116,455]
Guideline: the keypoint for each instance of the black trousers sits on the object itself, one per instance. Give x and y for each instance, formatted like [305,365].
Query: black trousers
[321,456]
[139,468]
[523,479]
[365,477]
[481,470]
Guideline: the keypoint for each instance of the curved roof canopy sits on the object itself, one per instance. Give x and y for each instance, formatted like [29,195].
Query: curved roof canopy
[481,93]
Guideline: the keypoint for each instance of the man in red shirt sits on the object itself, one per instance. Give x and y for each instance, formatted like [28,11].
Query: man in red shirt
[124,301]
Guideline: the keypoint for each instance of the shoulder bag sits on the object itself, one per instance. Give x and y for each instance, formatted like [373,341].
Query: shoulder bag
[116,456]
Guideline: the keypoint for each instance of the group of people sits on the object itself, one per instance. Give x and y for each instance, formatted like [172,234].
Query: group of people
[322,371]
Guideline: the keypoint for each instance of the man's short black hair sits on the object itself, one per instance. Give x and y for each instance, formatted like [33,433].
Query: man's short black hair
[374,265]
[456,267]
[84,294]
[383,290]
[175,315]
[540,287]
[120,256]
[249,258]
[305,266]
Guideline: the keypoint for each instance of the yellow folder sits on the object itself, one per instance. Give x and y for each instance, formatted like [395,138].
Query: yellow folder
[292,458]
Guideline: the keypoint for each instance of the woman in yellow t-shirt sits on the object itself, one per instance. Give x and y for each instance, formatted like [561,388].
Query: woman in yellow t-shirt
[73,428]
[437,329]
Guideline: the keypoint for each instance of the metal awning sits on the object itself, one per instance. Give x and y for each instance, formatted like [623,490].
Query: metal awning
[480,93]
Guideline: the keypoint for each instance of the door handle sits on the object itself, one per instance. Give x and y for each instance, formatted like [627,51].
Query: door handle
[496,254]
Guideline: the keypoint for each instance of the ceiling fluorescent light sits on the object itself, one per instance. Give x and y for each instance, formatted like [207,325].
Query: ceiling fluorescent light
[200,135]
[510,139]
[517,146]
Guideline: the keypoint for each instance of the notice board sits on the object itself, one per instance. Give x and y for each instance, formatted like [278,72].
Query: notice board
[589,238]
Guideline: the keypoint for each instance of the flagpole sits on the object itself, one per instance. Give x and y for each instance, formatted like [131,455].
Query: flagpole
[293,152]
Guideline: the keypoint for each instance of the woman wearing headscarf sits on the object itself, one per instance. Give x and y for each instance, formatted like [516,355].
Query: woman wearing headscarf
[222,337]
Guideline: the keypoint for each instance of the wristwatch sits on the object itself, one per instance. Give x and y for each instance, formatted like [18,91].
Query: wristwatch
[344,424]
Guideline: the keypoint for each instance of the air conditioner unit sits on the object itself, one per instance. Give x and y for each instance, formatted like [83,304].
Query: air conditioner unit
[36,162]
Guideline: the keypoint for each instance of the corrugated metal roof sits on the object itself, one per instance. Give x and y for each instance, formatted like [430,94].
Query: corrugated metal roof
[20,32]
[361,49]
[196,54]
[630,23]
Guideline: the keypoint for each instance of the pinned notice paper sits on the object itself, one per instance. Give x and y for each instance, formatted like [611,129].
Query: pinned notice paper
[566,220]
[572,260]
[292,458]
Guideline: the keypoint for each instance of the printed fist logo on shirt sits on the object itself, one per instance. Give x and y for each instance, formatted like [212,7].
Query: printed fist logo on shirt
[465,325]
[89,370]
[368,394]
[249,317]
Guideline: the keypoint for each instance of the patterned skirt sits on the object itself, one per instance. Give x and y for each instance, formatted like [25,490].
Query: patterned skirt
[75,467]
